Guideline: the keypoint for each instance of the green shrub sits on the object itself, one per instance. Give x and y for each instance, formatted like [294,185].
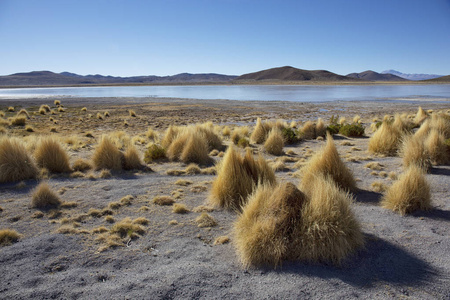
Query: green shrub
[289,136]
[243,142]
[333,128]
[154,152]
[352,130]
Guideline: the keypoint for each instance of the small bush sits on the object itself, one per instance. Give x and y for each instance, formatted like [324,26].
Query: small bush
[274,143]
[385,140]
[81,165]
[308,131]
[352,130]
[107,156]
[163,200]
[409,193]
[154,152]
[289,136]
[43,197]
[11,109]
[18,121]
[333,128]
[51,155]
[132,159]
[15,162]
[179,208]
[127,229]
[205,220]
[259,133]
[8,237]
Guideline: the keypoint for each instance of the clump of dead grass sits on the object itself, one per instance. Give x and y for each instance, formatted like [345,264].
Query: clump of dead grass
[409,193]
[275,142]
[8,237]
[163,200]
[236,178]
[43,197]
[51,155]
[15,162]
[413,152]
[205,220]
[132,159]
[107,155]
[81,165]
[328,163]
[385,140]
[179,208]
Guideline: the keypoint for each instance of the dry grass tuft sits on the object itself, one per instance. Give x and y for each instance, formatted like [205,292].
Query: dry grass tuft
[8,237]
[328,163]
[321,128]
[11,109]
[15,162]
[205,220]
[413,152]
[51,155]
[420,116]
[81,165]
[163,200]
[275,142]
[132,113]
[126,228]
[132,159]
[260,132]
[237,177]
[23,112]
[179,208]
[263,233]
[308,131]
[43,197]
[385,140]
[18,121]
[374,166]
[409,193]
[222,240]
[436,148]
[183,182]
[378,187]
[107,156]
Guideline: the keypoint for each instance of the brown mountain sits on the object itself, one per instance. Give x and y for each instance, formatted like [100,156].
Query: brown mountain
[439,79]
[374,76]
[292,74]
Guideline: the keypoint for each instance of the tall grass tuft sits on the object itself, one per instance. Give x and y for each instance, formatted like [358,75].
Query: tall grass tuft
[275,142]
[107,155]
[409,193]
[15,162]
[385,140]
[43,197]
[51,155]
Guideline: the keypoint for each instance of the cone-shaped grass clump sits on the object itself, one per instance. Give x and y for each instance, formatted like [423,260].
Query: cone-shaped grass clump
[409,193]
[275,142]
[196,149]
[237,177]
[132,159]
[283,223]
[413,152]
[385,140]
[436,148]
[8,237]
[328,163]
[330,232]
[107,155]
[420,116]
[51,155]
[15,162]
[260,132]
[43,197]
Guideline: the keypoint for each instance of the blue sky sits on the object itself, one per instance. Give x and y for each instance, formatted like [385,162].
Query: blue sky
[126,38]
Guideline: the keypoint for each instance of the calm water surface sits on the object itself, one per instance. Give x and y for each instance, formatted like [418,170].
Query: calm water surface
[302,93]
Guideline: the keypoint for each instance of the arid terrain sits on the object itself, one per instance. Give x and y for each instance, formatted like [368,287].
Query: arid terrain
[68,252]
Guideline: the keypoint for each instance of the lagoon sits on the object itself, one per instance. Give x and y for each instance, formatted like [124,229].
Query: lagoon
[297,93]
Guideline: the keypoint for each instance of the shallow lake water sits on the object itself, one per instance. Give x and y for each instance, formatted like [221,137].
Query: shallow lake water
[297,93]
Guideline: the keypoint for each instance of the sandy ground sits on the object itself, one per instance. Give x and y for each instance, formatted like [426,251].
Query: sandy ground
[404,257]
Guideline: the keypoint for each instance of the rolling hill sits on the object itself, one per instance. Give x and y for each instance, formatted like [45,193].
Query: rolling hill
[374,76]
[411,76]
[292,74]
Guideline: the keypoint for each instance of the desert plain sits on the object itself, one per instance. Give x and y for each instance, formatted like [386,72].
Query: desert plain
[67,252]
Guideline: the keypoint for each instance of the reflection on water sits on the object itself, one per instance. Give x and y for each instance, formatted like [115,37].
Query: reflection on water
[298,93]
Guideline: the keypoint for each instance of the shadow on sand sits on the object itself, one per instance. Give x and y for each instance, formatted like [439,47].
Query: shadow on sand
[369,197]
[380,261]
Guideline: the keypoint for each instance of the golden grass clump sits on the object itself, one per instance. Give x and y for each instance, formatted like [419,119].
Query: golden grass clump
[84,109]
[179,208]
[205,220]
[51,155]
[152,134]
[420,116]
[15,162]
[275,142]
[8,237]
[107,156]
[163,200]
[99,116]
[23,112]
[226,131]
[441,123]
[170,134]
[413,152]
[132,159]
[81,165]
[330,232]
[132,113]
[321,128]
[409,193]
[126,228]
[436,148]
[263,232]
[57,102]
[260,132]
[385,140]
[402,123]
[237,177]
[11,109]
[308,131]
[328,163]
[44,197]
[212,139]
[196,149]
[18,121]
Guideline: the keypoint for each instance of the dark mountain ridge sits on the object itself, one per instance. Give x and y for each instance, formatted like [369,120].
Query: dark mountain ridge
[374,76]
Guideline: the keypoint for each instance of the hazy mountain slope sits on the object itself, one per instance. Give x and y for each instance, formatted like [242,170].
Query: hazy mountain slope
[374,76]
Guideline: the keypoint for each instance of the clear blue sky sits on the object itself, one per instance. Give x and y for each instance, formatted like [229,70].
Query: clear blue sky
[125,38]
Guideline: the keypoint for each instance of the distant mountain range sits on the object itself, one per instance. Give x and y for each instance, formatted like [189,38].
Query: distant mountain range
[411,76]
[45,78]
[374,76]
[285,74]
